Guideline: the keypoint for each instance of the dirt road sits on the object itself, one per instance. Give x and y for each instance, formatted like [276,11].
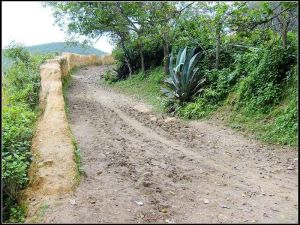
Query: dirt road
[143,167]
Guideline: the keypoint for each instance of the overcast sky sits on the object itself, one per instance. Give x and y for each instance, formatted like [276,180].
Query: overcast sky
[32,24]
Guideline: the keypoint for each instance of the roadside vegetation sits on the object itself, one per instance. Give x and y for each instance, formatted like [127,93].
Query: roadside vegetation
[20,99]
[78,160]
[232,61]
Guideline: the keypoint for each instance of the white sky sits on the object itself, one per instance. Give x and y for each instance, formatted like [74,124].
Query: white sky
[31,24]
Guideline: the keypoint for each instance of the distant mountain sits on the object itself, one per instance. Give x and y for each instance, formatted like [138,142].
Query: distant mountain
[56,47]
[64,47]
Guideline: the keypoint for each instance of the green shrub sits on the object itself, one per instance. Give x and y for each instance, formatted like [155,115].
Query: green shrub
[260,92]
[184,81]
[219,83]
[196,110]
[21,83]
[110,76]
[18,53]
[262,86]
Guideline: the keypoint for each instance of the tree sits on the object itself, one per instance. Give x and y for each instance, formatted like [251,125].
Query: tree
[92,20]
[281,17]
[215,15]
[162,17]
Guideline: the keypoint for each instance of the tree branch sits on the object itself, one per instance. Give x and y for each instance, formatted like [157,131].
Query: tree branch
[134,28]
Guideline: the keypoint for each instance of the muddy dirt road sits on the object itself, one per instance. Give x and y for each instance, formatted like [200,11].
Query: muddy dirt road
[143,167]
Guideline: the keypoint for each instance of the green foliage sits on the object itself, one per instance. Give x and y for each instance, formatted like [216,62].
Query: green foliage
[241,39]
[152,57]
[110,76]
[266,73]
[284,129]
[219,84]
[18,53]
[16,214]
[196,110]
[78,159]
[21,85]
[145,87]
[184,81]
[189,33]
[257,94]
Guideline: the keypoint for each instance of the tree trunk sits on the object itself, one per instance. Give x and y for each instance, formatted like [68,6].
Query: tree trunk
[284,35]
[126,56]
[218,43]
[129,67]
[142,60]
[166,55]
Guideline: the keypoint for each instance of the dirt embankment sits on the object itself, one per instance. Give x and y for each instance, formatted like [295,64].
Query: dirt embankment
[53,169]
[144,167]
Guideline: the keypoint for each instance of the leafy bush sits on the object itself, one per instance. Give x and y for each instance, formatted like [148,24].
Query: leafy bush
[184,81]
[219,83]
[21,83]
[110,76]
[264,78]
[18,53]
[260,92]
[196,110]
[153,57]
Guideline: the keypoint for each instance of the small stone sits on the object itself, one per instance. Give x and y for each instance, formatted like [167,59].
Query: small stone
[72,202]
[141,215]
[48,162]
[169,221]
[99,172]
[290,168]
[274,209]
[146,183]
[224,206]
[164,210]
[92,201]
[206,201]
[157,189]
[140,203]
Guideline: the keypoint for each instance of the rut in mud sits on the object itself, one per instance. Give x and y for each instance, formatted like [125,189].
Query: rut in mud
[143,167]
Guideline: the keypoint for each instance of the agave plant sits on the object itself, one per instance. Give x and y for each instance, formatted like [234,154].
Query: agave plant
[184,81]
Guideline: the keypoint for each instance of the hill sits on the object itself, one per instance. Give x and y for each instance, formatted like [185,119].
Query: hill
[56,47]
[64,47]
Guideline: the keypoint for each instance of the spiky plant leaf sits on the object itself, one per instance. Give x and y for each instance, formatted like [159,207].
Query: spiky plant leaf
[184,81]
[178,56]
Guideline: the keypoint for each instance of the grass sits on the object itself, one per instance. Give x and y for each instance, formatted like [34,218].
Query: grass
[145,87]
[40,213]
[77,156]
[275,127]
[20,112]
